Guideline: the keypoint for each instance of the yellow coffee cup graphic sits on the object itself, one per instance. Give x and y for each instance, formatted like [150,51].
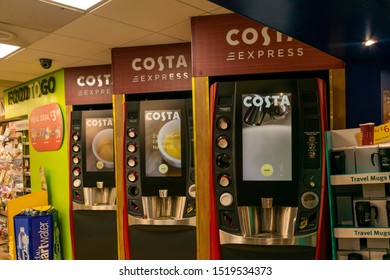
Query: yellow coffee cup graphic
[103,148]
[169,142]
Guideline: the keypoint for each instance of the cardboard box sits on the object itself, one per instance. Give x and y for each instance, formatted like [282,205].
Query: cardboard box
[378,243]
[350,244]
[374,190]
[344,208]
[377,254]
[34,237]
[343,255]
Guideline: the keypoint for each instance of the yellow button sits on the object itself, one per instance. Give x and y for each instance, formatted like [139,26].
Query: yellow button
[267,170]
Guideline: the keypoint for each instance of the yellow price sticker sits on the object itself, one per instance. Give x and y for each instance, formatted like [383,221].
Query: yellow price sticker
[381,134]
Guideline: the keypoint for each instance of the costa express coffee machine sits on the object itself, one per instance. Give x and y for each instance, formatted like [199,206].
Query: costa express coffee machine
[268,161]
[160,179]
[93,192]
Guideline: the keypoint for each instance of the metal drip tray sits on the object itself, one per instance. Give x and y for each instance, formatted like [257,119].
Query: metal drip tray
[169,221]
[268,239]
[267,235]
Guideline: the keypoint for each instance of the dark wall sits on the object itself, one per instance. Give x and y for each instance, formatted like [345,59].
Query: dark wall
[363,93]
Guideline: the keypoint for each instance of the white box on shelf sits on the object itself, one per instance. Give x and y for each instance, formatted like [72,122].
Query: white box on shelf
[344,137]
[377,254]
[374,190]
[378,243]
[343,255]
[352,244]
[363,159]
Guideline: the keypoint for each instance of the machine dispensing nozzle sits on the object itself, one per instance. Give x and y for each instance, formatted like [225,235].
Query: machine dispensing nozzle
[163,193]
[266,202]
[99,185]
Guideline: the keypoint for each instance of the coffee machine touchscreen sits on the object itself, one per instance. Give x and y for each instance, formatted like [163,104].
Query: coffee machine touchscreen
[266,137]
[162,143]
[99,143]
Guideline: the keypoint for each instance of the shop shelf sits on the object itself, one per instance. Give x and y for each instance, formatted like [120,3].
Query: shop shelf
[358,179]
[359,232]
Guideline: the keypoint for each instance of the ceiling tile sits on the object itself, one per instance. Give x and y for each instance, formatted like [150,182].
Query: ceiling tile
[57,44]
[98,29]
[152,39]
[148,14]
[35,15]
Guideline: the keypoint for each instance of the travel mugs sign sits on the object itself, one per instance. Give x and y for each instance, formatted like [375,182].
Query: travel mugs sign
[46,128]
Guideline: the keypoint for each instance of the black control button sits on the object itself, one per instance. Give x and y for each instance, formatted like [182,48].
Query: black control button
[223,161]
[133,190]
[228,219]
[134,206]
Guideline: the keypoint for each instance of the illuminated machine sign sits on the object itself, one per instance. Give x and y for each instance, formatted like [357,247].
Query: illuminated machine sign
[152,68]
[232,44]
[88,85]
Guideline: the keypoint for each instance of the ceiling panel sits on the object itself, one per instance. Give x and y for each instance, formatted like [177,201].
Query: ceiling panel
[72,39]
[151,15]
[102,30]
[35,15]
[54,43]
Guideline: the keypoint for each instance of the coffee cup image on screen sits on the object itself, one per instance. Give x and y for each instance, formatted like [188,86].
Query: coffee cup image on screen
[267,153]
[169,142]
[266,139]
[102,148]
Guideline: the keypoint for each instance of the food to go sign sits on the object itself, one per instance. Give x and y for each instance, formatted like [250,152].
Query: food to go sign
[46,127]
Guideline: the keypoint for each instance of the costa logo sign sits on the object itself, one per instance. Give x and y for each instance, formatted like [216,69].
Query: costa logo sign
[34,90]
[99,122]
[156,68]
[258,101]
[243,46]
[163,116]
[91,80]
[160,63]
[250,36]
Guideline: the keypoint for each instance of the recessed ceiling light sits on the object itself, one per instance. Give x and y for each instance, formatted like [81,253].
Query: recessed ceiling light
[6,49]
[6,35]
[369,42]
[77,4]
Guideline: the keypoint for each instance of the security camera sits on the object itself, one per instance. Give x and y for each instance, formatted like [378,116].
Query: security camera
[45,63]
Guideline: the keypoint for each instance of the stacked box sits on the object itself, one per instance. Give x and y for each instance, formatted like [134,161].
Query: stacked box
[34,237]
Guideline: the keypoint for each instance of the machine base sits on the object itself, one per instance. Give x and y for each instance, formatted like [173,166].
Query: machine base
[159,242]
[95,235]
[266,252]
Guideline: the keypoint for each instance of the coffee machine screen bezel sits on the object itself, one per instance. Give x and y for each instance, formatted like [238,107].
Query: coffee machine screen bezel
[283,191]
[152,184]
[105,175]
